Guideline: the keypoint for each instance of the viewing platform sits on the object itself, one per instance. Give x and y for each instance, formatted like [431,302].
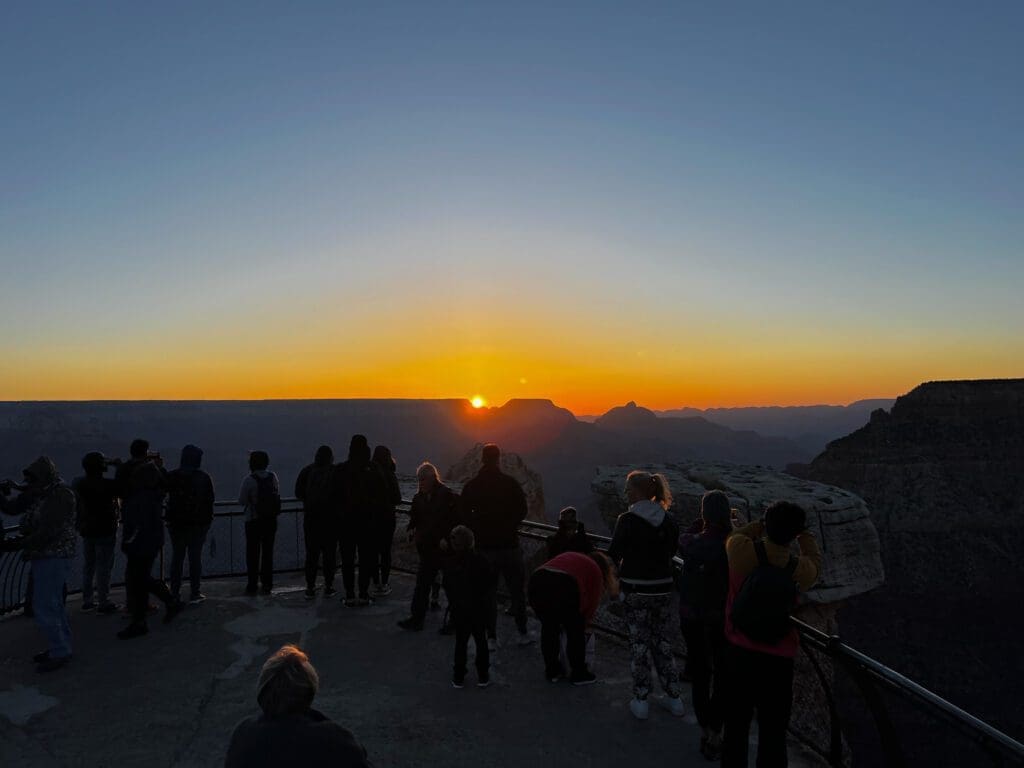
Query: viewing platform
[173,697]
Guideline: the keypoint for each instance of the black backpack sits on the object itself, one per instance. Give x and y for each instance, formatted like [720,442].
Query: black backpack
[704,581]
[268,498]
[763,604]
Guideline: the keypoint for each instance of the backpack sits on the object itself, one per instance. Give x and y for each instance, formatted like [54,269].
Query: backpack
[704,581]
[268,498]
[762,606]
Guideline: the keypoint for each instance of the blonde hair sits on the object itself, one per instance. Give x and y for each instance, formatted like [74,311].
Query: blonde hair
[650,486]
[288,683]
[425,467]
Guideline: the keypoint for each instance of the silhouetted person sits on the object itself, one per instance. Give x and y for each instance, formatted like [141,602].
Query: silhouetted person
[493,505]
[319,519]
[97,517]
[48,538]
[703,587]
[190,498]
[143,486]
[432,516]
[765,579]
[260,497]
[360,490]
[467,580]
[289,732]
[643,545]
[570,537]
[565,593]
[383,522]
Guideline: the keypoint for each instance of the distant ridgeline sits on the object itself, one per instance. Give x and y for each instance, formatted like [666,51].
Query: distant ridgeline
[562,448]
[943,474]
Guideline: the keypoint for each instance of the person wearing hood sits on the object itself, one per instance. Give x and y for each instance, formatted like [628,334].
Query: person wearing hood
[190,497]
[319,520]
[143,489]
[360,489]
[48,542]
[97,518]
[260,499]
[570,537]
[643,545]
[703,588]
[383,522]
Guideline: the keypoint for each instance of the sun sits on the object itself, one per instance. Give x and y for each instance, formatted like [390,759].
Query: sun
[477,402]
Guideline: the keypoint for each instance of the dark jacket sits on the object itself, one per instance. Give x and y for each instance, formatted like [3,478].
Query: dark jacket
[493,504]
[359,489]
[48,514]
[468,583]
[143,490]
[309,740]
[431,519]
[565,541]
[643,545]
[704,580]
[98,506]
[190,494]
[314,488]
[392,495]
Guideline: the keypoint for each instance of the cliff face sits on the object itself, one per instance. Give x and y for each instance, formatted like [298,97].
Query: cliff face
[943,473]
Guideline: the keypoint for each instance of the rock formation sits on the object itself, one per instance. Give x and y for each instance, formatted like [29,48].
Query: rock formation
[943,473]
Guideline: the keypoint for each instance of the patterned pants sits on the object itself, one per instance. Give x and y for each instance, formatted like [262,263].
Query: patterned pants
[647,619]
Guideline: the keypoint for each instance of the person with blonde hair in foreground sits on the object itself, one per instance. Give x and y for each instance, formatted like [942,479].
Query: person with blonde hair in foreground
[289,731]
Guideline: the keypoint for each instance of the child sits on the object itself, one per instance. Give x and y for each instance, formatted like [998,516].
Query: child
[468,581]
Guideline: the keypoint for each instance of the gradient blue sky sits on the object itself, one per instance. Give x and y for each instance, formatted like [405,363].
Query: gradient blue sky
[673,203]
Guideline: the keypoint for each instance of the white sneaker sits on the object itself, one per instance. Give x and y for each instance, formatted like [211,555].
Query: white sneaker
[675,706]
[640,709]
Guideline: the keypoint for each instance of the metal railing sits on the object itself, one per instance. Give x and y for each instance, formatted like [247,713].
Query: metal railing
[871,677]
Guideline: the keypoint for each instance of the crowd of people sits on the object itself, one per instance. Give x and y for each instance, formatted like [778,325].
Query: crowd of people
[737,586]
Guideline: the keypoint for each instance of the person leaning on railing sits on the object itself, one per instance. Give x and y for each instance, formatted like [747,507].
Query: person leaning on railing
[764,581]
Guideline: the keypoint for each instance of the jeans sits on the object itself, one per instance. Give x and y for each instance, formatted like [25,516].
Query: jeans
[475,627]
[705,648]
[507,563]
[259,553]
[48,577]
[321,544]
[99,561]
[139,584]
[188,538]
[555,598]
[647,621]
[357,540]
[762,682]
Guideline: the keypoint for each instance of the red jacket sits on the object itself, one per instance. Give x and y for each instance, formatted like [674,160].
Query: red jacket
[587,575]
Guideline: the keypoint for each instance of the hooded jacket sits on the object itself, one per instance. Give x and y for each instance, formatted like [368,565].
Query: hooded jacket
[313,486]
[48,524]
[431,518]
[190,493]
[643,545]
[360,489]
[142,533]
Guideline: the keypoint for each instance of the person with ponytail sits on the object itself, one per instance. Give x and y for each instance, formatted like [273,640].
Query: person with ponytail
[643,545]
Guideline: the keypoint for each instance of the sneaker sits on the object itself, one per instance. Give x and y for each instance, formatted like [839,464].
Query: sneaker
[362,602]
[349,602]
[382,590]
[640,709]
[133,630]
[585,678]
[108,608]
[52,663]
[484,683]
[675,706]
[456,683]
[90,606]
[411,624]
[525,639]
[197,599]
[330,591]
[173,609]
[310,594]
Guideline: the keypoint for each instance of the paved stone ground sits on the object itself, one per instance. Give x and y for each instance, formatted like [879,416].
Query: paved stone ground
[173,697]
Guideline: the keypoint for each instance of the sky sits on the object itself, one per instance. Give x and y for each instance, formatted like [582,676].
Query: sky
[672,203]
